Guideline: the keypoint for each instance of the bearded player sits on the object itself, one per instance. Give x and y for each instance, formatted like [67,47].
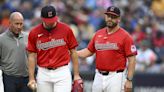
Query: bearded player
[113,47]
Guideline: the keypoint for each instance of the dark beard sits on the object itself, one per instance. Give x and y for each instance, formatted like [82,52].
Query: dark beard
[49,29]
[111,26]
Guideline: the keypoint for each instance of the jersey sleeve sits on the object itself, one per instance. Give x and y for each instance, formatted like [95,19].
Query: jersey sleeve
[129,47]
[72,42]
[31,45]
[91,45]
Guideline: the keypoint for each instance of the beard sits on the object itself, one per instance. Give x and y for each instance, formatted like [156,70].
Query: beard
[49,29]
[111,25]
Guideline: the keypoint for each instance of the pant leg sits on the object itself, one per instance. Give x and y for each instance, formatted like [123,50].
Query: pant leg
[24,87]
[43,81]
[1,82]
[64,81]
[9,83]
[116,82]
[97,83]
[43,86]
[15,84]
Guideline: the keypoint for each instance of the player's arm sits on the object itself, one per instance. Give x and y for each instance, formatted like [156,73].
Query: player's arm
[131,70]
[31,67]
[75,64]
[131,66]
[84,53]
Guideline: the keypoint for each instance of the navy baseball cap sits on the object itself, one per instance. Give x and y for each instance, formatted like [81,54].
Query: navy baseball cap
[48,14]
[113,10]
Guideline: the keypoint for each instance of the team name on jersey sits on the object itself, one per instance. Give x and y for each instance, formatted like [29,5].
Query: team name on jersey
[106,46]
[50,44]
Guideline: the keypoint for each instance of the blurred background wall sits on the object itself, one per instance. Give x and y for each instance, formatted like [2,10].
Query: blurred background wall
[143,19]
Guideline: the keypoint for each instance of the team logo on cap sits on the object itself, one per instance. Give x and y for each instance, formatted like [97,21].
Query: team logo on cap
[50,14]
[112,9]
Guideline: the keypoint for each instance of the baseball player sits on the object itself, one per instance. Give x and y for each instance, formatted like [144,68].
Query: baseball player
[112,46]
[52,42]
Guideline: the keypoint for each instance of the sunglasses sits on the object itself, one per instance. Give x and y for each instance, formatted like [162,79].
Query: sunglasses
[112,16]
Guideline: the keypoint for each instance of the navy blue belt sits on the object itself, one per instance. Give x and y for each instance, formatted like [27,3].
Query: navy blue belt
[107,72]
[51,68]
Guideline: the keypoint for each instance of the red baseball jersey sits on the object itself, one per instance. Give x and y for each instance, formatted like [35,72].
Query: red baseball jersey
[53,47]
[112,49]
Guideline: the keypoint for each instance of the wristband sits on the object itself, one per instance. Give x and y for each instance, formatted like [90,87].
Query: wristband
[129,79]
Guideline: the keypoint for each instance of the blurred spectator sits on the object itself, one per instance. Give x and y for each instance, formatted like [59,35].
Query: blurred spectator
[4,23]
[95,18]
[86,30]
[146,58]
[158,7]
[104,3]
[159,40]
[59,5]
[138,35]
[27,13]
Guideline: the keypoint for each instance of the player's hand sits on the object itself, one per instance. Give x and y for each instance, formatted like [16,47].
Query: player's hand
[32,84]
[128,86]
[77,77]
[77,86]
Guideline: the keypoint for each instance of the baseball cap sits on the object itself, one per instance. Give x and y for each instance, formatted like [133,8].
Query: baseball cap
[113,10]
[48,14]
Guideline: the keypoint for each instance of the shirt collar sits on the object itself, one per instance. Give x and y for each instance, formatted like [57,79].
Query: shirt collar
[9,33]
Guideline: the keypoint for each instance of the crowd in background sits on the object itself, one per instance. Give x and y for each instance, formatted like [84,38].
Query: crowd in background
[143,19]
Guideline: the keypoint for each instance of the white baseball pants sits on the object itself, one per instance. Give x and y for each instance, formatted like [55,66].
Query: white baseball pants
[1,82]
[58,80]
[113,82]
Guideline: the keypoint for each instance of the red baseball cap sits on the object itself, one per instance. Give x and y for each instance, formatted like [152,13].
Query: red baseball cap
[48,14]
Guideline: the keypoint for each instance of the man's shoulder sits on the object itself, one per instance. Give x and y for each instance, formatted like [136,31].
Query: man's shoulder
[36,28]
[102,30]
[2,35]
[63,25]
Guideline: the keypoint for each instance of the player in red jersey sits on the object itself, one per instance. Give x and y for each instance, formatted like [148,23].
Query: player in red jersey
[52,42]
[113,47]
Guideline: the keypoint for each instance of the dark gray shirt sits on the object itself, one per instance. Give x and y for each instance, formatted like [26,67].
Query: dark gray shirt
[13,56]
